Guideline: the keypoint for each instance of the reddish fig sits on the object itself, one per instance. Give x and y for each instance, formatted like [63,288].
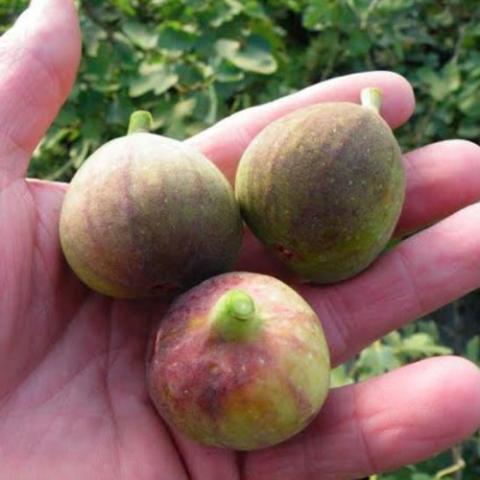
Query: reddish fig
[148,216]
[323,187]
[239,361]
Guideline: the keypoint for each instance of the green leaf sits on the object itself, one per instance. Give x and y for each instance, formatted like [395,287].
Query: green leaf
[429,327]
[319,14]
[80,151]
[152,78]
[440,85]
[142,36]
[93,37]
[339,377]
[212,114]
[176,39]
[67,117]
[88,105]
[422,476]
[227,73]
[184,108]
[206,105]
[469,129]
[99,67]
[359,43]
[422,344]
[451,75]
[189,75]
[119,111]
[125,6]
[92,130]
[393,339]
[473,349]
[161,112]
[253,58]
[125,52]
[377,359]
[226,11]
[55,136]
[469,101]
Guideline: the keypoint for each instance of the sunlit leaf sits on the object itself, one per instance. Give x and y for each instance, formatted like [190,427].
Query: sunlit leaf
[253,58]
[156,78]
[339,377]
[141,35]
[422,344]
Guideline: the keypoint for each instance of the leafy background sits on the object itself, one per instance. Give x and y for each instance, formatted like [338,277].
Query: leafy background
[193,62]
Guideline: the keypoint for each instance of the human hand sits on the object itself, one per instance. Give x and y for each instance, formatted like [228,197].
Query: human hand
[73,401]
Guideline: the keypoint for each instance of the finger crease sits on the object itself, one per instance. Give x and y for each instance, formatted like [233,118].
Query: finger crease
[340,319]
[109,398]
[369,460]
[410,281]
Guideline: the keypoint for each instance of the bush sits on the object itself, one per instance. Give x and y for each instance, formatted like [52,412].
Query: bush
[192,63]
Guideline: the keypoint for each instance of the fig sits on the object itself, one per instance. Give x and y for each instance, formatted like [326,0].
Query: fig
[323,188]
[148,216]
[240,361]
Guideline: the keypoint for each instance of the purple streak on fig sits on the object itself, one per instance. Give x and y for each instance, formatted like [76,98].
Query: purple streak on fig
[149,216]
[239,361]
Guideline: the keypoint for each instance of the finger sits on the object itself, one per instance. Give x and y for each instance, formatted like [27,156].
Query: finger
[393,420]
[225,142]
[423,273]
[39,56]
[441,179]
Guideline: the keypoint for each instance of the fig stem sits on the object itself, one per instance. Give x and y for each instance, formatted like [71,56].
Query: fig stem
[140,121]
[234,316]
[371,98]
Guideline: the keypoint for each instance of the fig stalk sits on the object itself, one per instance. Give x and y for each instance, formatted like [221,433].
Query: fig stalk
[234,317]
[140,121]
[371,98]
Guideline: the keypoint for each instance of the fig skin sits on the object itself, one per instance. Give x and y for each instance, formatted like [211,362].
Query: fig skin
[323,187]
[148,216]
[242,388]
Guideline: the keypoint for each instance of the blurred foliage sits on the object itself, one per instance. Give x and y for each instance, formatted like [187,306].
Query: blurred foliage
[193,62]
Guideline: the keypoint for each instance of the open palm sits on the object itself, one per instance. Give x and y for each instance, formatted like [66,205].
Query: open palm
[73,402]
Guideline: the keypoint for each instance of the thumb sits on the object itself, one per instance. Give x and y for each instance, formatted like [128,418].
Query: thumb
[39,57]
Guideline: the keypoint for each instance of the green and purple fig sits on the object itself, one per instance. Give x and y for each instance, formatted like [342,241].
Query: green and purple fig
[148,216]
[323,187]
[239,361]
